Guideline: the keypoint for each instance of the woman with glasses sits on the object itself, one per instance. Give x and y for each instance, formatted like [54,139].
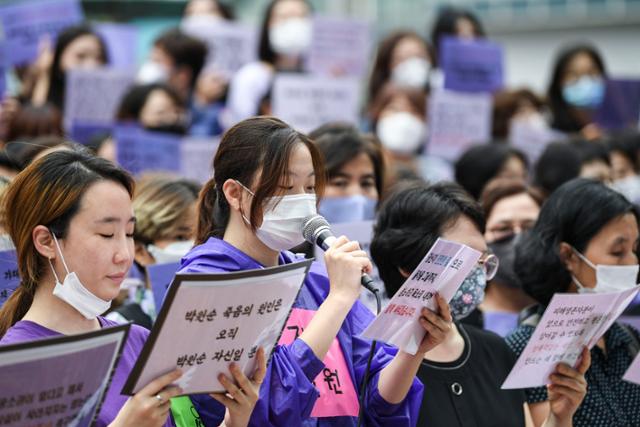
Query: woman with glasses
[463,375]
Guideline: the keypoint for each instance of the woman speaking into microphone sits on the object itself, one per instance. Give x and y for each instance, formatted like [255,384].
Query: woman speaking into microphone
[266,180]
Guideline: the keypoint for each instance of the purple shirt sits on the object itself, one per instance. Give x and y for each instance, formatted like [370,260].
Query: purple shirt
[26,330]
[288,395]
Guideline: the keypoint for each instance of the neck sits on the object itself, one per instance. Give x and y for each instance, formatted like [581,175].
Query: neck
[503,298]
[243,238]
[53,313]
[450,349]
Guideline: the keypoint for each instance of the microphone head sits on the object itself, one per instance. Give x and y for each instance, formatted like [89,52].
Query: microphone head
[312,226]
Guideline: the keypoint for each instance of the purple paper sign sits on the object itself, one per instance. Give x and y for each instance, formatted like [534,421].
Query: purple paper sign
[160,277]
[339,47]
[83,132]
[122,43]
[471,65]
[620,108]
[59,381]
[26,22]
[139,150]
[9,278]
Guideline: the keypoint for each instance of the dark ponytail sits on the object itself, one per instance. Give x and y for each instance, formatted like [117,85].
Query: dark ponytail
[213,213]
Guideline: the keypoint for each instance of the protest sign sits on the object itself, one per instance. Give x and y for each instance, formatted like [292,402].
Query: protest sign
[532,137]
[26,23]
[84,132]
[457,121]
[138,150]
[230,45]
[570,322]
[93,96]
[9,276]
[209,320]
[442,270]
[196,158]
[362,232]
[122,44]
[620,108]
[339,47]
[633,372]
[306,102]
[471,65]
[58,381]
[160,277]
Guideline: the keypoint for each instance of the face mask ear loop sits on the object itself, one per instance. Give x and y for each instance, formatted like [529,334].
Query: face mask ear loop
[53,270]
[60,251]
[584,258]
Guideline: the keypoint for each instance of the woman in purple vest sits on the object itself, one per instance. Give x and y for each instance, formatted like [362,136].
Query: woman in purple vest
[266,179]
[71,219]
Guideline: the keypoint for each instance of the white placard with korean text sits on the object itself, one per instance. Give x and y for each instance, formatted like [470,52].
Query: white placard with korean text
[442,270]
[570,322]
[208,321]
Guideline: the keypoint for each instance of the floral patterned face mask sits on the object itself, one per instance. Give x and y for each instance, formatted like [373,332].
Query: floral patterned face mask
[469,295]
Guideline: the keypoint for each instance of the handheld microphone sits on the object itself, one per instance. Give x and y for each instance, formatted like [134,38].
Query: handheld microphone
[317,231]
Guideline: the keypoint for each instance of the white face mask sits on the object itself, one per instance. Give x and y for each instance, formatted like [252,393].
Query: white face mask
[281,227]
[75,294]
[152,72]
[609,278]
[411,73]
[171,253]
[402,133]
[291,37]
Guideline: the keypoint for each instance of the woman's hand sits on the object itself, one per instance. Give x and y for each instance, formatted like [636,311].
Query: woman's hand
[150,406]
[567,389]
[345,264]
[437,325]
[241,399]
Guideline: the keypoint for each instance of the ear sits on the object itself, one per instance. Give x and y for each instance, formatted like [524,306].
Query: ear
[43,242]
[568,257]
[233,193]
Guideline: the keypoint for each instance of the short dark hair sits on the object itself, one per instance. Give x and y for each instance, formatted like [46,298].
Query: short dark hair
[445,25]
[560,162]
[591,151]
[481,163]
[574,214]
[339,143]
[627,144]
[563,118]
[411,220]
[33,121]
[184,50]
[136,97]
[500,188]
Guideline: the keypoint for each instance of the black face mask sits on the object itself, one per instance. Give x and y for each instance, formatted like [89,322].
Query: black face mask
[174,128]
[505,250]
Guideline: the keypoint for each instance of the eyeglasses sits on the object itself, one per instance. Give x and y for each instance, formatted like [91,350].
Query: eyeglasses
[490,264]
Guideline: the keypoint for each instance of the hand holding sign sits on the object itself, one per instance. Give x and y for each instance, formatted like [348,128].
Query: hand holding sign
[568,388]
[437,324]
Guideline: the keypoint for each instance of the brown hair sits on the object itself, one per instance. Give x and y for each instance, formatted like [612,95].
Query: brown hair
[500,188]
[31,121]
[256,146]
[506,104]
[48,192]
[417,98]
[381,72]
[160,201]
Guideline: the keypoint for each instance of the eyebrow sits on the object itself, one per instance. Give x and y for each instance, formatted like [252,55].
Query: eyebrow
[113,219]
[290,173]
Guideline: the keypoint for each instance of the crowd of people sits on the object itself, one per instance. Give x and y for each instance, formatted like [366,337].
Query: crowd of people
[85,230]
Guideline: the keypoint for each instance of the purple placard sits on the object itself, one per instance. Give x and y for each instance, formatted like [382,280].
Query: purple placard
[620,108]
[83,132]
[9,278]
[339,47]
[502,323]
[160,277]
[122,43]
[26,22]
[471,65]
[139,150]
